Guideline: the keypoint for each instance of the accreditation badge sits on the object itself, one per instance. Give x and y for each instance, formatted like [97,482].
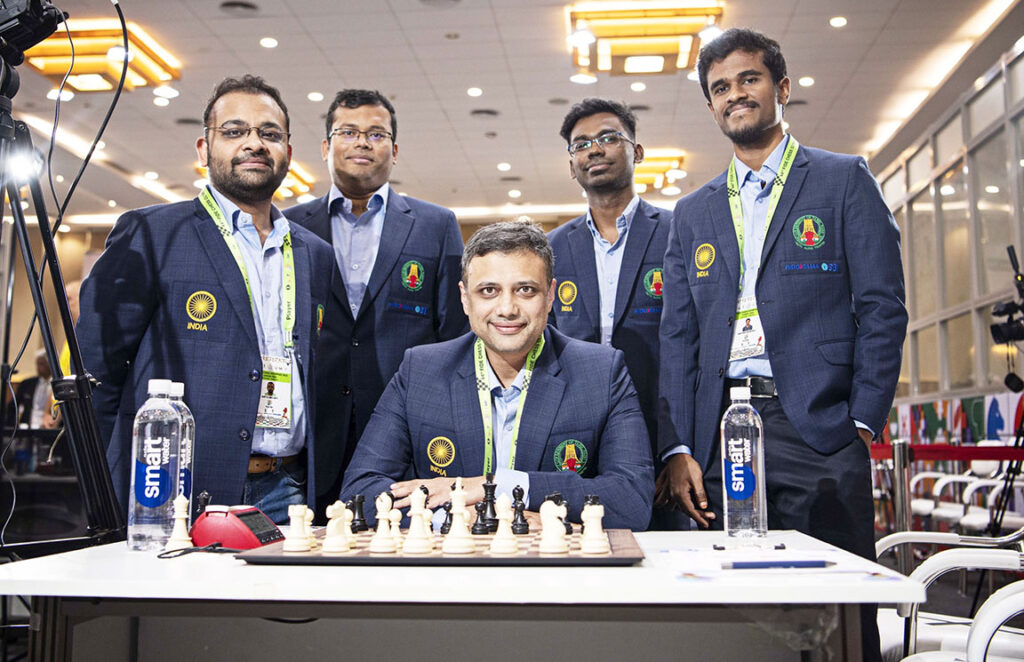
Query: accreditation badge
[275,410]
[747,335]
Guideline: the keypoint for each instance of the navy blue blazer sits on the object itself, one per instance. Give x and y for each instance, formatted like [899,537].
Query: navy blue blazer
[360,353]
[135,326]
[579,391]
[638,296]
[831,302]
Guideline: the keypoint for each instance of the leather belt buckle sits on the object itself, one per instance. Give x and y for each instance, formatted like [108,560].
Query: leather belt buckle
[760,387]
[261,464]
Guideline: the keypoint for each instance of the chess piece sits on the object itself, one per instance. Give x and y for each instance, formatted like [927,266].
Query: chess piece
[297,540]
[458,540]
[308,527]
[504,541]
[489,516]
[358,518]
[552,531]
[382,541]
[446,526]
[560,500]
[594,540]
[519,524]
[480,525]
[395,516]
[418,540]
[179,534]
[338,537]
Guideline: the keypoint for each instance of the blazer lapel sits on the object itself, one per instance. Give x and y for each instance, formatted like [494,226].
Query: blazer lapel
[318,220]
[224,265]
[641,229]
[780,219]
[543,400]
[398,222]
[303,305]
[466,415]
[585,267]
[728,248]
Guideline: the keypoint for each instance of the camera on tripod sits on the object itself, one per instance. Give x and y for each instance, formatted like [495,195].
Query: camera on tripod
[1012,330]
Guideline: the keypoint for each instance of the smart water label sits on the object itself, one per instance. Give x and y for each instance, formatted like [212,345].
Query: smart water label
[739,478]
[153,478]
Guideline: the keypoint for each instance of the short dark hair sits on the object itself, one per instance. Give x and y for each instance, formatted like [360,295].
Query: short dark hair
[247,84]
[740,39]
[593,106]
[510,237]
[357,98]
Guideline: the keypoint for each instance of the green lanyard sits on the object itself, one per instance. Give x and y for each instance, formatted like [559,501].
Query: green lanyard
[288,267]
[736,206]
[484,393]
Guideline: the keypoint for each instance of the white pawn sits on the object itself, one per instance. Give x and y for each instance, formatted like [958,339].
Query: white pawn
[552,531]
[308,526]
[180,539]
[339,529]
[382,542]
[504,541]
[395,516]
[297,540]
[595,540]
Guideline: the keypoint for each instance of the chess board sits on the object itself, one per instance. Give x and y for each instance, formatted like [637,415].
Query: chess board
[625,551]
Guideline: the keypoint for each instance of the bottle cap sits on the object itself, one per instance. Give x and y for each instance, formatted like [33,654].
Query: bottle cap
[159,386]
[177,390]
[739,393]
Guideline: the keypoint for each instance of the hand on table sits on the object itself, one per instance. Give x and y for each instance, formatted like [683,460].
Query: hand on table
[681,485]
[439,491]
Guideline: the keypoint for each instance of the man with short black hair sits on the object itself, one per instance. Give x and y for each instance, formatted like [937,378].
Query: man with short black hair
[399,264]
[220,293]
[535,408]
[608,262]
[800,242]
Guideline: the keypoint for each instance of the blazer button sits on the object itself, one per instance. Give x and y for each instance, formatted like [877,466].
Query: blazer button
[244,434]
[721,371]
[355,342]
[254,376]
[346,390]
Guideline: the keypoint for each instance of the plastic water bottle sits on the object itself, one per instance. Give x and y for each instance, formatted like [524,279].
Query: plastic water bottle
[746,514]
[156,438]
[188,439]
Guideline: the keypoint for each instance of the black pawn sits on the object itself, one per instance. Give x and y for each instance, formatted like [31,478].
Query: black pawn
[480,525]
[490,515]
[519,524]
[358,518]
[446,526]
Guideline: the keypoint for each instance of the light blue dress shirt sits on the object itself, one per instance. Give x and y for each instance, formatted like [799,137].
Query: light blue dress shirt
[264,264]
[356,240]
[608,257]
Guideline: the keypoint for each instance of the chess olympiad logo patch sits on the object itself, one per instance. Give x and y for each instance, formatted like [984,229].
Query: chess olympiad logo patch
[567,292]
[571,455]
[653,283]
[412,276]
[441,451]
[809,232]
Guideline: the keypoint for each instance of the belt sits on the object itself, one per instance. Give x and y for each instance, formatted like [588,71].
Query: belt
[261,464]
[760,387]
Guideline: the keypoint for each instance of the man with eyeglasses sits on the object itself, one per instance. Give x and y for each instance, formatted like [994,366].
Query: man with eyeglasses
[608,262]
[399,264]
[223,294]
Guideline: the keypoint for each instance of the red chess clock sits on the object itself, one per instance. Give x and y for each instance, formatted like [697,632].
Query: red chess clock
[234,527]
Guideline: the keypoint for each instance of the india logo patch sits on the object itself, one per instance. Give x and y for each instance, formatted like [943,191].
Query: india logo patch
[567,292]
[201,306]
[412,276]
[441,451]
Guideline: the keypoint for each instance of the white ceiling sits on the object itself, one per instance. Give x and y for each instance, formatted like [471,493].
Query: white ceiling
[513,49]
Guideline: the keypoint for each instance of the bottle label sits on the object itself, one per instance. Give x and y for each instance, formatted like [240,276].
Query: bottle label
[152,473]
[739,474]
[185,482]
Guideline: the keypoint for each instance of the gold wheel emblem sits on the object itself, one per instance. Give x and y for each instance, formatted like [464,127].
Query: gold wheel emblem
[567,292]
[201,306]
[705,256]
[441,451]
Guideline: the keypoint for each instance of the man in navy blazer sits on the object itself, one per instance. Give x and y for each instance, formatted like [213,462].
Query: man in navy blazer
[178,294]
[799,242]
[399,264]
[608,262]
[453,408]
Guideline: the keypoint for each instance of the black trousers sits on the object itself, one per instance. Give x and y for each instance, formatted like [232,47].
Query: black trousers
[824,496]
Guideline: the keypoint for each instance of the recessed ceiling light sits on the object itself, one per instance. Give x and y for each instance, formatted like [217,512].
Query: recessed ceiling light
[504,167]
[638,86]
[693,75]
[837,21]
[785,125]
[64,228]
[151,175]
[675,173]
[116,53]
[111,203]
[671,190]
[166,91]
[474,91]
[315,96]
[160,101]
[583,77]
[639,188]
[24,204]
[991,189]
[709,33]
[515,193]
[101,145]
[305,197]
[59,178]
[200,183]
[583,193]
[66,95]
[268,42]
[947,190]
[580,38]
[805,81]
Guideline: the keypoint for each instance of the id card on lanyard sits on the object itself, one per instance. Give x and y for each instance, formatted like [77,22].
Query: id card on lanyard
[276,387]
[748,333]
[484,395]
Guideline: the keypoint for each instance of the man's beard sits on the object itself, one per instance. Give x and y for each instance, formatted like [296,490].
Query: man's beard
[250,187]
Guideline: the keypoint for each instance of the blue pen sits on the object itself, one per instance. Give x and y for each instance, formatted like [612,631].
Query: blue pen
[762,565]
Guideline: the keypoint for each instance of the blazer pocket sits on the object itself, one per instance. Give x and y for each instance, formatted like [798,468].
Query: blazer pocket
[837,352]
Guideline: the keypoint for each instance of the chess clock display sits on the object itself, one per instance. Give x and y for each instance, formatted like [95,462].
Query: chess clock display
[235,527]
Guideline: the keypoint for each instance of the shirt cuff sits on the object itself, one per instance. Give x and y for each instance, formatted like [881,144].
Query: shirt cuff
[861,426]
[675,450]
[507,479]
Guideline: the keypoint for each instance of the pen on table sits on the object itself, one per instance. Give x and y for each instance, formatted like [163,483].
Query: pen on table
[761,565]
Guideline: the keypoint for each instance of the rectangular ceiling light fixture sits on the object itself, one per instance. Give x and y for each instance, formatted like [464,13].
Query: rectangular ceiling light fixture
[99,55]
[639,37]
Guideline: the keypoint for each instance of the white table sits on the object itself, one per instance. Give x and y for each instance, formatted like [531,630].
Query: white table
[87,603]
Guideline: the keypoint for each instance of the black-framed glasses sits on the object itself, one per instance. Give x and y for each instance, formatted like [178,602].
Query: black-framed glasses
[604,140]
[268,134]
[373,136]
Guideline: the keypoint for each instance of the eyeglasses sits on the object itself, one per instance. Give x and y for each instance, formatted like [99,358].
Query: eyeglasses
[267,134]
[373,136]
[604,140]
